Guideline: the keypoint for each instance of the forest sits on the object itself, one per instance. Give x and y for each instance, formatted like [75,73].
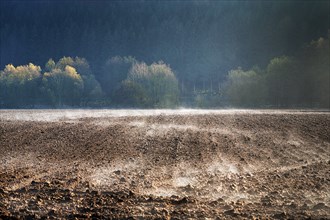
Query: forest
[301,81]
[137,54]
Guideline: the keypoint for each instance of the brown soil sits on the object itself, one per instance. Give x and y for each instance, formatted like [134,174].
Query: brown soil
[244,165]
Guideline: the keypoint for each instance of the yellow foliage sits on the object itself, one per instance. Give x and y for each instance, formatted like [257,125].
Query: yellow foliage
[71,71]
[21,73]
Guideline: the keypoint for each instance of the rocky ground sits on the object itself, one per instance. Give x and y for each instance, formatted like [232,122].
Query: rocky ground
[164,164]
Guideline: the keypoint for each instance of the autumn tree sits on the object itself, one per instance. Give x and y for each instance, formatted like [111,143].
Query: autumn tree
[19,85]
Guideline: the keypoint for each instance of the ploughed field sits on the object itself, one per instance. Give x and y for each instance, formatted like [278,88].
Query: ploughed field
[164,164]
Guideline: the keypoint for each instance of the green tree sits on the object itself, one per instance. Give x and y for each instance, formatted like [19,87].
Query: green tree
[245,88]
[159,82]
[64,87]
[114,72]
[131,94]
[315,65]
[283,81]
[50,65]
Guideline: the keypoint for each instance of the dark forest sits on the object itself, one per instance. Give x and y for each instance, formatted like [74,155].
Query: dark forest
[164,54]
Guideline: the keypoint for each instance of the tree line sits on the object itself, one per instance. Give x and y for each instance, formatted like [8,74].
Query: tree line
[285,82]
[201,40]
[300,81]
[70,83]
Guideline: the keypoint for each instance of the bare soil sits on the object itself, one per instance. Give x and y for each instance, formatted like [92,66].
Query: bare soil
[165,164]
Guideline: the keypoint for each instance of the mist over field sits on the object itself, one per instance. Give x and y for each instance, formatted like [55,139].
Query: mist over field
[154,54]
